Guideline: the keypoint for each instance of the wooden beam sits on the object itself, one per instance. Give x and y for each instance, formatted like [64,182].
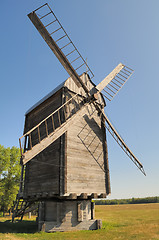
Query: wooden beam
[83,196]
[102,195]
[106,162]
[56,50]
[109,78]
[27,156]
[94,195]
[72,196]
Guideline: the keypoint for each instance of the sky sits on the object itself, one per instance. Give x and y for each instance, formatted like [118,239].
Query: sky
[106,33]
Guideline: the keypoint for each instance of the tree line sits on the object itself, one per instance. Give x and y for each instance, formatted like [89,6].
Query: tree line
[128,201]
[9,176]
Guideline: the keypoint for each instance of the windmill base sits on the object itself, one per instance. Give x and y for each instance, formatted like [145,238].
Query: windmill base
[70,215]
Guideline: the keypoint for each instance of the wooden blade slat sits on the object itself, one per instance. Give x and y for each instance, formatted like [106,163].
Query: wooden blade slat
[110,83]
[109,78]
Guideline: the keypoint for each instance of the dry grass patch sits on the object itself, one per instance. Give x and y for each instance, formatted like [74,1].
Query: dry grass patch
[139,221]
[125,222]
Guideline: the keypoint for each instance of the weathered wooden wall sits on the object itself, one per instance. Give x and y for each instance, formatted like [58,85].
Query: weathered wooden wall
[70,84]
[43,171]
[86,162]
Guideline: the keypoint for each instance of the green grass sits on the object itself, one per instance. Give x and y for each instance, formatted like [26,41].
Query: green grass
[122,222]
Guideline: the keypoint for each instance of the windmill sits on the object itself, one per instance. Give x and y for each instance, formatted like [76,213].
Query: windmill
[64,158]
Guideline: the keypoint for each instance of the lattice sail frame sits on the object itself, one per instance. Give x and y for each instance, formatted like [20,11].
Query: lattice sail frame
[61,38]
[111,85]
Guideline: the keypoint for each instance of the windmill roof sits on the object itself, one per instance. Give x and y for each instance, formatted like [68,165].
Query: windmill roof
[46,97]
[67,83]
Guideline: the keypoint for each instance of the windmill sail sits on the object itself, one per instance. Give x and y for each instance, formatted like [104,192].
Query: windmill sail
[111,85]
[122,144]
[60,43]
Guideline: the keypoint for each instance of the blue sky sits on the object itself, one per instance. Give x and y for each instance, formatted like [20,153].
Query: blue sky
[106,33]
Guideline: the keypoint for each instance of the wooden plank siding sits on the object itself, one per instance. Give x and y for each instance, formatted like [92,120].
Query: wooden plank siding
[43,172]
[85,171]
[77,161]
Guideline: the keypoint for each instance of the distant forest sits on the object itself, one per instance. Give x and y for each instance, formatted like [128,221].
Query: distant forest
[127,201]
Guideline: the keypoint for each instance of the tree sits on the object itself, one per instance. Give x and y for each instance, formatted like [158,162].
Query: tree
[9,176]
[3,167]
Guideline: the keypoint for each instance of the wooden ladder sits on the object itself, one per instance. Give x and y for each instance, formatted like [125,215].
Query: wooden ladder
[22,207]
[19,208]
[64,116]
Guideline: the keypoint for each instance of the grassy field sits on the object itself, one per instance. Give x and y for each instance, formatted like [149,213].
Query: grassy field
[122,222]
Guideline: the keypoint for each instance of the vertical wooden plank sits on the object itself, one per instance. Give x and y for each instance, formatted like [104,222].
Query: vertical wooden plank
[39,134]
[21,150]
[74,105]
[46,127]
[62,152]
[30,140]
[65,144]
[21,179]
[65,165]
[59,117]
[69,110]
[25,143]
[64,113]
[78,101]
[61,166]
[53,125]
[106,163]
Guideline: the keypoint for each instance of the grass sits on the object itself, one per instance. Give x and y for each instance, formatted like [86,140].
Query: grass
[124,222]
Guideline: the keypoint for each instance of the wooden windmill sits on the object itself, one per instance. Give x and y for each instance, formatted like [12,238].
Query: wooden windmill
[65,158]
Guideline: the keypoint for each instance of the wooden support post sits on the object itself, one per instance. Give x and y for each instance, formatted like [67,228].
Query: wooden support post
[46,128]
[39,134]
[53,125]
[64,112]
[59,117]
[21,150]
[78,101]
[74,104]
[30,140]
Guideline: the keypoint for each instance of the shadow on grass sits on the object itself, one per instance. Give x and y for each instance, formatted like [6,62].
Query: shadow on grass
[18,227]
